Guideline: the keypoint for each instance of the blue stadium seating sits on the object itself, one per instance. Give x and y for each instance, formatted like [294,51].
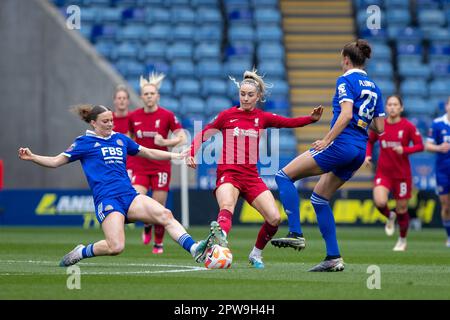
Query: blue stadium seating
[209,68]
[213,86]
[409,70]
[192,105]
[267,15]
[270,50]
[187,87]
[440,87]
[216,104]
[207,50]
[182,68]
[153,50]
[169,103]
[414,87]
[157,15]
[177,50]
[271,32]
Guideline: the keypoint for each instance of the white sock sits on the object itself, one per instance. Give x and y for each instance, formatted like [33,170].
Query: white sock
[194,246]
[256,252]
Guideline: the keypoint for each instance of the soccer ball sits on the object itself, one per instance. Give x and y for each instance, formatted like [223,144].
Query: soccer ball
[218,258]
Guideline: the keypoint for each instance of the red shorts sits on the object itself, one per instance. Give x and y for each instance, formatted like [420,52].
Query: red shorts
[250,187]
[400,188]
[157,181]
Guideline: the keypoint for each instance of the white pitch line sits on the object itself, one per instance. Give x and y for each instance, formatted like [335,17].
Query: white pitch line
[54,263]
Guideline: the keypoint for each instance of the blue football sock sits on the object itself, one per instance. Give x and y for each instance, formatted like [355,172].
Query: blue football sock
[326,223]
[88,251]
[291,201]
[186,242]
[446,224]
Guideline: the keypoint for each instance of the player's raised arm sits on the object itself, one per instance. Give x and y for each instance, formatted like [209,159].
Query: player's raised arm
[155,154]
[49,162]
[277,121]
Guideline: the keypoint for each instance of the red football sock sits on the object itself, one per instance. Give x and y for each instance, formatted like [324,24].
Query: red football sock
[403,223]
[385,211]
[225,219]
[159,233]
[266,233]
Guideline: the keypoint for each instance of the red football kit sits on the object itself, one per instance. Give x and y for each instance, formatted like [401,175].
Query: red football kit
[241,131]
[393,169]
[144,126]
[120,124]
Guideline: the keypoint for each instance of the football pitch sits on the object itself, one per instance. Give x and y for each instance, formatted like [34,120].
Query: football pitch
[30,256]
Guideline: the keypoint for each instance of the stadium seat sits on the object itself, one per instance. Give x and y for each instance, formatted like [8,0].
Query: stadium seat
[242,50]
[207,3]
[213,86]
[209,68]
[410,34]
[182,15]
[417,106]
[157,15]
[106,49]
[240,16]
[187,87]
[216,104]
[270,50]
[110,15]
[431,17]
[132,33]
[183,32]
[379,68]
[207,50]
[241,33]
[390,4]
[157,66]
[159,32]
[179,50]
[386,86]
[272,68]
[279,87]
[153,50]
[170,103]
[381,51]
[267,15]
[427,4]
[208,15]
[166,87]
[270,32]
[407,69]
[127,50]
[414,87]
[208,32]
[439,34]
[130,14]
[440,87]
[237,68]
[182,68]
[192,105]
[398,17]
[409,47]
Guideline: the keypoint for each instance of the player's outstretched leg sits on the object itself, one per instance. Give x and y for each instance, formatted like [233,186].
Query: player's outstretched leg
[200,248]
[72,257]
[291,203]
[219,236]
[329,265]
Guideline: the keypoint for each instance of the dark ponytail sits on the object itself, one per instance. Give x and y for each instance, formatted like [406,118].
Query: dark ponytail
[88,112]
[358,52]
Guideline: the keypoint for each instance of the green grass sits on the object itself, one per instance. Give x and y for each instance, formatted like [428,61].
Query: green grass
[29,268]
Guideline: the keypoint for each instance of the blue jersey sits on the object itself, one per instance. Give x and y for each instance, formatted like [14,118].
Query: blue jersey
[354,86]
[104,163]
[439,133]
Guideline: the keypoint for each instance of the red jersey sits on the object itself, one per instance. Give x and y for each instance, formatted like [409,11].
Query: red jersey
[401,133]
[241,131]
[120,124]
[144,126]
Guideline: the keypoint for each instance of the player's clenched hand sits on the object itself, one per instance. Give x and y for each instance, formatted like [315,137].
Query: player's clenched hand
[190,162]
[368,161]
[320,144]
[159,140]
[398,149]
[25,154]
[445,147]
[316,113]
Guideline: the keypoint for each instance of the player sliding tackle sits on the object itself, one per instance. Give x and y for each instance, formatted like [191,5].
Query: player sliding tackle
[237,174]
[102,153]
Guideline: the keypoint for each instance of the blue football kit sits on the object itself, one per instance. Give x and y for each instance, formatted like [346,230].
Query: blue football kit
[104,163]
[439,133]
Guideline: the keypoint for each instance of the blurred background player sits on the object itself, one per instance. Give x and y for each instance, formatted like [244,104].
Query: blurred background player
[393,169]
[150,127]
[121,104]
[439,141]
[103,156]
[337,156]
[237,174]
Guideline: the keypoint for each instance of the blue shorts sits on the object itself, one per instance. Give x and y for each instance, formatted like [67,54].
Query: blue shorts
[442,181]
[120,204]
[341,158]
